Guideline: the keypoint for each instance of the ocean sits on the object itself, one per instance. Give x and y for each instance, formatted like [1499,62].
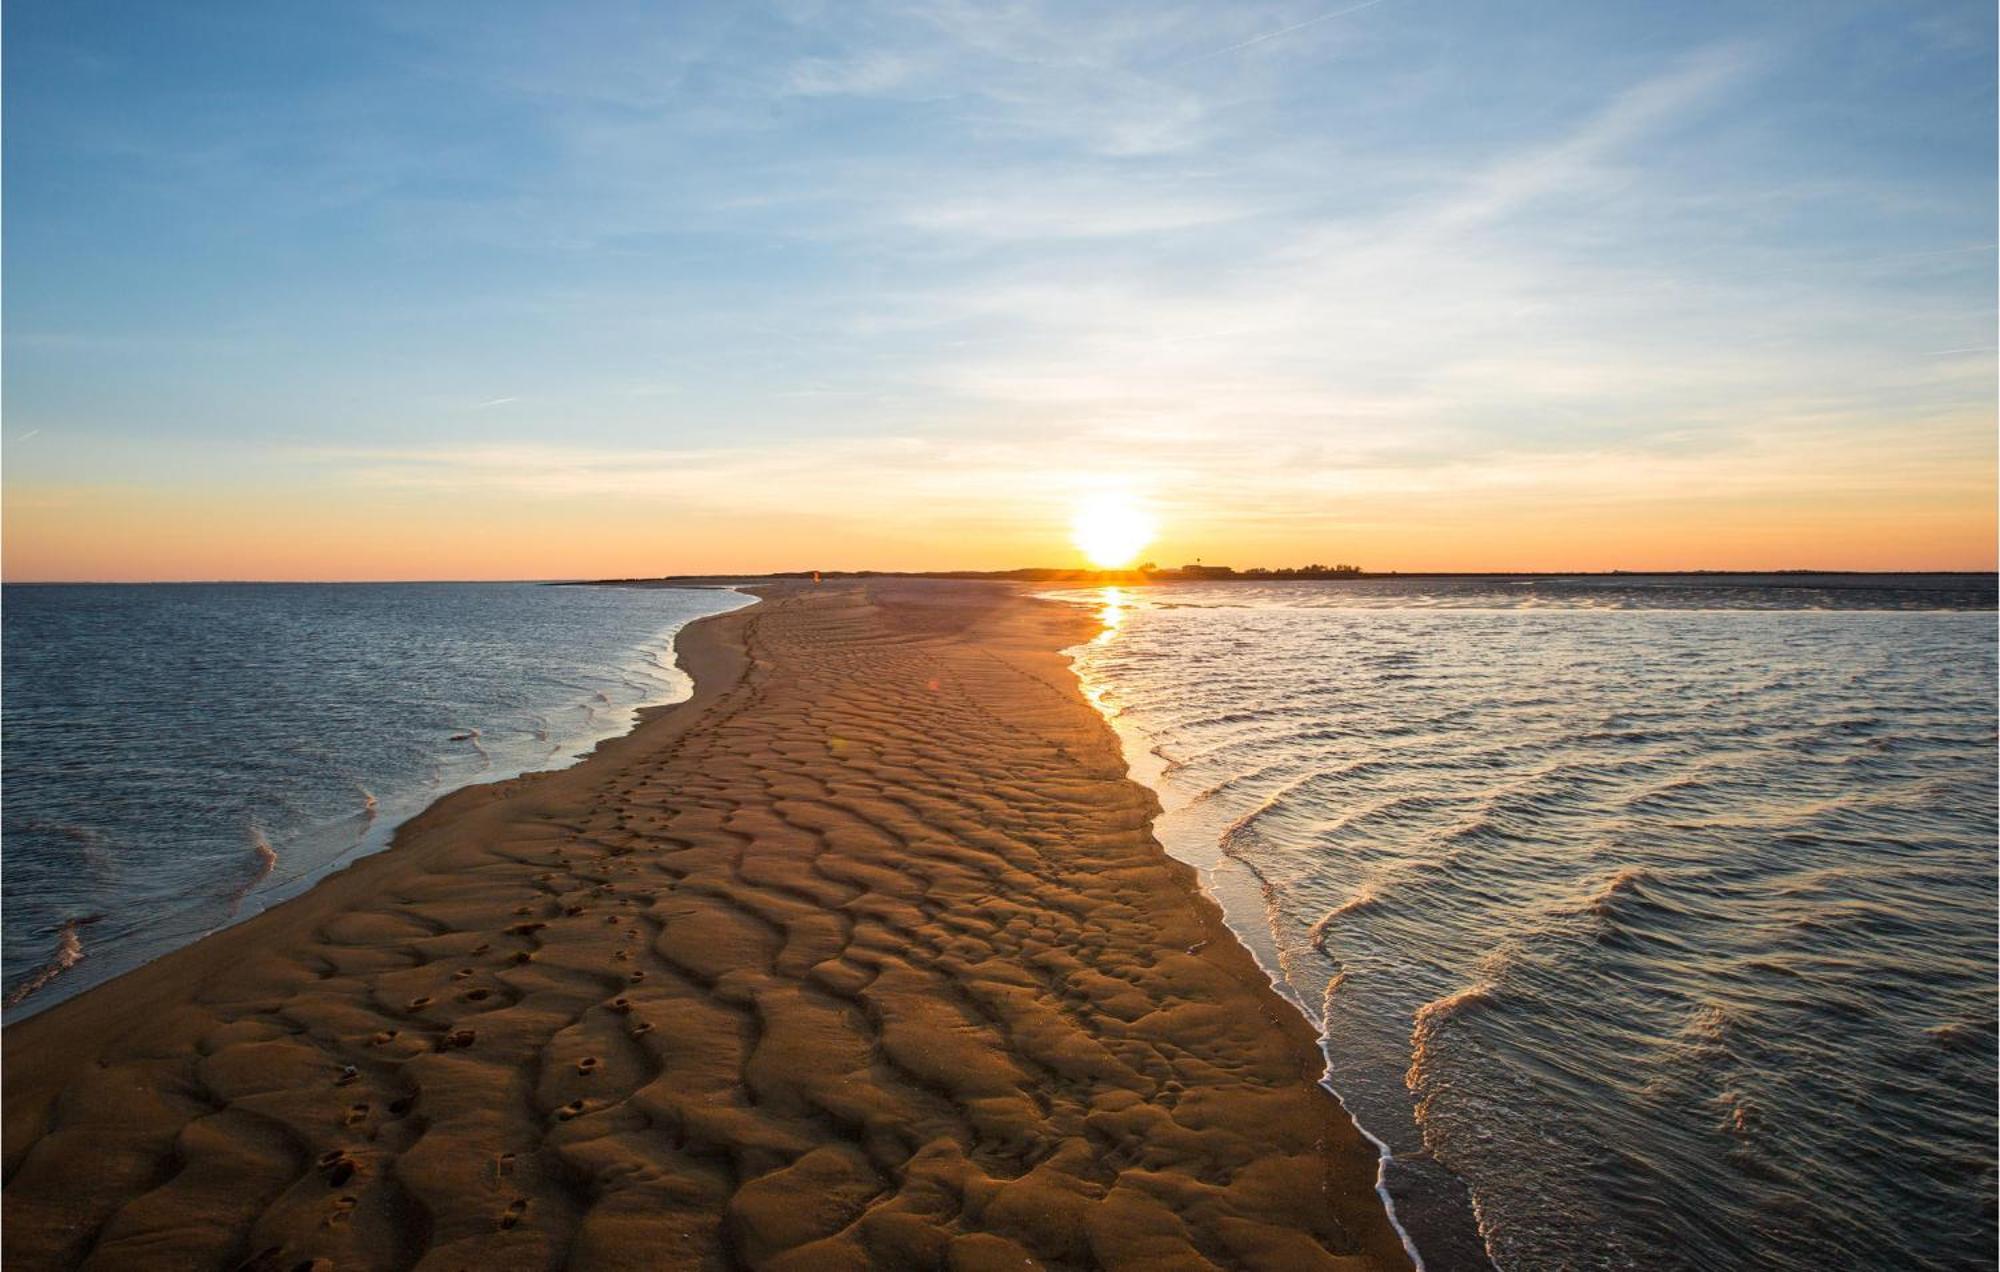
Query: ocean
[1659,914]
[180,756]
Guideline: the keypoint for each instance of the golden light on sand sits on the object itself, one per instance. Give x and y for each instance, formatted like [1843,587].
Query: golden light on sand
[1111,528]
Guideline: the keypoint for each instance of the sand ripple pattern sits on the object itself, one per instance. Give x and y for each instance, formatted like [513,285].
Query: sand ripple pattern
[1671,931]
[876,966]
[181,755]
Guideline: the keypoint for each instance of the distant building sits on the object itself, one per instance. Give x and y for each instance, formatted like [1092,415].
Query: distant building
[1200,571]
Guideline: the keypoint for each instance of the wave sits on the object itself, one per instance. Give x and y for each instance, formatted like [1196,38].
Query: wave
[131,781]
[1603,903]
[1963,1035]
[1438,1010]
[90,844]
[1582,876]
[68,953]
[1366,897]
[266,858]
[1425,1023]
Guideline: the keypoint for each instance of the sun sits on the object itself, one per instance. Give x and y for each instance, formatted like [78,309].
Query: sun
[1111,528]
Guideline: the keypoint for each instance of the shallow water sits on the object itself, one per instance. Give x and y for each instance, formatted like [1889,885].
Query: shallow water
[179,756]
[1661,913]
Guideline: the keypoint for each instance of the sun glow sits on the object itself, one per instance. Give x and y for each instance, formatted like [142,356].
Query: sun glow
[1111,528]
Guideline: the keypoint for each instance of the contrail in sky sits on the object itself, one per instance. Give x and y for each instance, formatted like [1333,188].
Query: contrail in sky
[1296,26]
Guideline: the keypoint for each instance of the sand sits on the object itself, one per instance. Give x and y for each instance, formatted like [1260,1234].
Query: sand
[863,957]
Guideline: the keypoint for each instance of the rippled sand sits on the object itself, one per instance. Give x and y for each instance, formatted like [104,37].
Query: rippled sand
[864,957]
[181,756]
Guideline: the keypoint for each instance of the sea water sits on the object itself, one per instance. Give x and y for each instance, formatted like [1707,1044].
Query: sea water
[1661,912]
[179,756]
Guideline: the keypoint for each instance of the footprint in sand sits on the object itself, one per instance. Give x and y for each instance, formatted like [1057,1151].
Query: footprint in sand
[339,1167]
[641,1029]
[620,1004]
[418,1003]
[337,1213]
[399,1107]
[462,973]
[514,1213]
[348,1073]
[356,1113]
[587,1065]
[456,1038]
[524,957]
[481,948]
[477,995]
[575,1108]
[383,1038]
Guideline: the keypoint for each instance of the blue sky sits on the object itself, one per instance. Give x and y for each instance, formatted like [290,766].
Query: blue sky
[1411,281]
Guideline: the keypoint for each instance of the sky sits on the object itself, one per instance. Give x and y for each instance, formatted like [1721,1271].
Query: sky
[442,290]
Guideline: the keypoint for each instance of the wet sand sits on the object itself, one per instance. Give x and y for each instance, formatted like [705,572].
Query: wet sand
[863,957]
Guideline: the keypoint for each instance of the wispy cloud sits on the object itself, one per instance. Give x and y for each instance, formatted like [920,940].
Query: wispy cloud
[865,74]
[1283,264]
[1281,32]
[1572,166]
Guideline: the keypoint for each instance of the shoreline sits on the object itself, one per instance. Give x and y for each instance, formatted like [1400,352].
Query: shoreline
[989,1083]
[1431,1208]
[308,854]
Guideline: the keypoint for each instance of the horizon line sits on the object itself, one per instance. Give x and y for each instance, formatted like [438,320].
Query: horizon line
[1002,575]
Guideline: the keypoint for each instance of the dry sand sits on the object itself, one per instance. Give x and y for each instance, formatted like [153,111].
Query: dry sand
[864,957]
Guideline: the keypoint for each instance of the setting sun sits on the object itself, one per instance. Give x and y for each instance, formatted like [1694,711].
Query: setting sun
[1111,529]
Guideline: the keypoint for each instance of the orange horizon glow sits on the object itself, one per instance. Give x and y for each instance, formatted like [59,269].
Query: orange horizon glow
[1676,296]
[139,535]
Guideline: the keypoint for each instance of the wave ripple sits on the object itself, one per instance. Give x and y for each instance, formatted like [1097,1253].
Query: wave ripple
[1666,924]
[151,730]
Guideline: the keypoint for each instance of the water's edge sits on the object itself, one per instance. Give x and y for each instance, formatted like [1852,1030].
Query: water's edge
[578,750]
[1436,1216]
[382,832]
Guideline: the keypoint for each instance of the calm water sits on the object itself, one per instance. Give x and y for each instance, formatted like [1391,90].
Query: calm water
[1662,914]
[179,756]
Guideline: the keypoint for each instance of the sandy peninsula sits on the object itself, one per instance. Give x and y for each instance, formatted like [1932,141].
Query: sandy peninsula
[864,957]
